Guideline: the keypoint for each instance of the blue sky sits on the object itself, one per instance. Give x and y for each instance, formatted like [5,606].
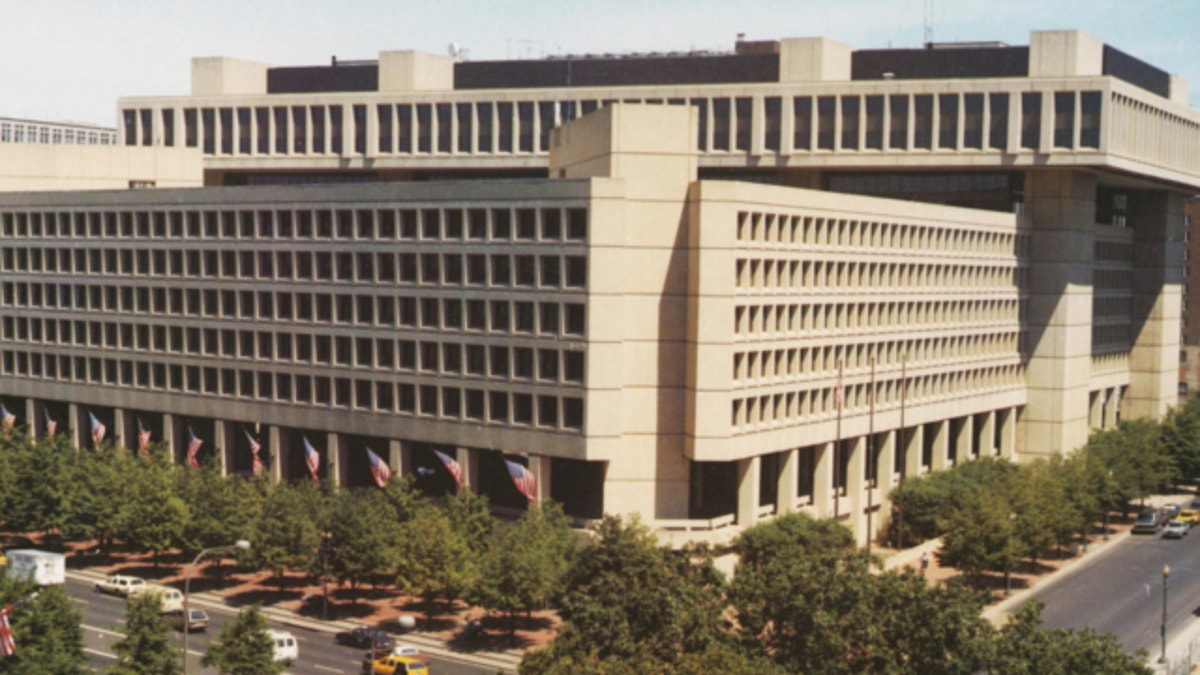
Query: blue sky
[72,59]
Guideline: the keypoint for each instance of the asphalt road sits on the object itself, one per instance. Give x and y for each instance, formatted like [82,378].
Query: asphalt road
[320,654]
[1121,592]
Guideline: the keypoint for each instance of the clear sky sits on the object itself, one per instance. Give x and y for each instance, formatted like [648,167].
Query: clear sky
[71,59]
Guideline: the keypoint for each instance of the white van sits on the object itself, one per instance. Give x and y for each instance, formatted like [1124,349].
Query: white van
[286,648]
[41,567]
[171,598]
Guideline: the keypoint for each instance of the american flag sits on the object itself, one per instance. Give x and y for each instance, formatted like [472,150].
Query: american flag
[255,463]
[7,646]
[143,439]
[451,466]
[8,418]
[379,469]
[51,425]
[312,459]
[193,448]
[98,429]
[525,481]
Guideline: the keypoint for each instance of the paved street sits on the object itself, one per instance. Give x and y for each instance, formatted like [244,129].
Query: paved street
[1121,591]
[319,653]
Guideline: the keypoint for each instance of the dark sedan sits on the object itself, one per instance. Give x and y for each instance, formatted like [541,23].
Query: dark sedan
[366,638]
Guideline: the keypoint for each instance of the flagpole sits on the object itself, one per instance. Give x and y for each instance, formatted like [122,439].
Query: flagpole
[903,442]
[874,473]
[837,448]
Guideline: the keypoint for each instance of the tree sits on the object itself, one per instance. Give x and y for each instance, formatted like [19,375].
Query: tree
[1181,438]
[153,516]
[1135,455]
[433,558]
[100,479]
[244,647]
[628,600]
[221,508]
[286,532]
[980,536]
[927,499]
[469,515]
[526,561]
[1024,646]
[46,630]
[147,648]
[365,535]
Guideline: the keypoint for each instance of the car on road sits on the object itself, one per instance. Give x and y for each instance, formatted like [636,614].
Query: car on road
[286,647]
[198,619]
[1170,511]
[1189,516]
[1176,529]
[170,598]
[395,665]
[1149,520]
[120,584]
[367,638]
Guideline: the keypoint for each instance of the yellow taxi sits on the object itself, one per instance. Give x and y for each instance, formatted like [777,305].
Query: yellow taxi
[1189,516]
[396,665]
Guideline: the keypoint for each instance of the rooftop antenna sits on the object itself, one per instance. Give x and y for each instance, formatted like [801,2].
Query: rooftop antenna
[928,22]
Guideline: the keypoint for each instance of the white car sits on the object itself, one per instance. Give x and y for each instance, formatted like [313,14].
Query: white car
[405,649]
[1176,529]
[286,648]
[120,584]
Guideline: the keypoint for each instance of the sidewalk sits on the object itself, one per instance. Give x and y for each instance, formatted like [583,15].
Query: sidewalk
[432,645]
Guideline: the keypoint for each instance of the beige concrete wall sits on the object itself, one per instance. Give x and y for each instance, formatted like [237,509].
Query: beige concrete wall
[814,60]
[415,71]
[225,76]
[1055,53]
[35,167]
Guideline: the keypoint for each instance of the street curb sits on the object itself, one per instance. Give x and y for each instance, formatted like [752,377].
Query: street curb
[506,661]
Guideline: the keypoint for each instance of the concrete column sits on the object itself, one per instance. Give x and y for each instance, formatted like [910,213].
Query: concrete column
[941,446]
[1008,433]
[1112,408]
[823,480]
[856,494]
[372,131]
[987,435]
[963,444]
[788,482]
[30,418]
[468,459]
[1061,204]
[1096,409]
[333,458]
[277,449]
[76,424]
[912,441]
[539,465]
[119,433]
[168,439]
[222,442]
[885,473]
[749,474]
[1156,218]
[400,457]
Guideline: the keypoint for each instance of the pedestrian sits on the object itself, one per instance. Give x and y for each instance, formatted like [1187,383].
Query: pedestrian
[924,562]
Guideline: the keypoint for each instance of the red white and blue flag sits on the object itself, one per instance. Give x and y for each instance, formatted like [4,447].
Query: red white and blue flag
[312,459]
[255,463]
[98,429]
[7,646]
[7,418]
[379,469]
[524,479]
[452,466]
[193,447]
[51,425]
[143,439]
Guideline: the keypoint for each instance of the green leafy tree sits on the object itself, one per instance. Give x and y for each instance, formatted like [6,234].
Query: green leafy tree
[365,535]
[1135,455]
[1024,646]
[47,631]
[220,508]
[628,600]
[44,474]
[153,516]
[100,479]
[286,531]
[244,647]
[927,499]
[147,648]
[527,561]
[433,560]
[469,515]
[1181,438]
[980,535]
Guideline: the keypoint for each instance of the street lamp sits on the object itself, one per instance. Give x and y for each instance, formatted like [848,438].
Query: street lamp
[241,545]
[1108,503]
[1162,658]
[1012,521]
[325,538]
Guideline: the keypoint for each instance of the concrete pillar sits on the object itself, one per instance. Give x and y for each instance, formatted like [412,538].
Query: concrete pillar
[856,493]
[1156,218]
[222,445]
[31,418]
[885,472]
[911,442]
[169,434]
[468,459]
[333,458]
[788,485]
[1008,433]
[277,449]
[986,434]
[1061,204]
[75,427]
[1096,402]
[963,444]
[749,474]
[400,457]
[1112,408]
[941,445]
[823,480]
[539,465]
[119,432]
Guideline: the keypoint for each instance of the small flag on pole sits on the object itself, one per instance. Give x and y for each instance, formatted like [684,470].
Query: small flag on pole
[7,646]
[7,418]
[143,439]
[193,447]
[379,469]
[255,463]
[98,429]
[51,425]
[452,466]
[525,481]
[312,459]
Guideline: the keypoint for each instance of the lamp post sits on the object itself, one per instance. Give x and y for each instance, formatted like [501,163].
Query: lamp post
[325,538]
[1012,523]
[1162,658]
[241,545]
[1108,504]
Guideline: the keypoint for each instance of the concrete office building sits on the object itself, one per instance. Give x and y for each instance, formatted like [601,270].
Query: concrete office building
[700,287]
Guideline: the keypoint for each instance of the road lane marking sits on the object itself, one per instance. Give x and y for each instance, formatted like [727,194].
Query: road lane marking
[317,666]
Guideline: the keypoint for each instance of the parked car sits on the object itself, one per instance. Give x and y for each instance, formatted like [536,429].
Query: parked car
[171,598]
[405,649]
[1170,511]
[119,584]
[197,622]
[395,665]
[286,647]
[1189,516]
[1176,529]
[366,638]
[1149,520]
